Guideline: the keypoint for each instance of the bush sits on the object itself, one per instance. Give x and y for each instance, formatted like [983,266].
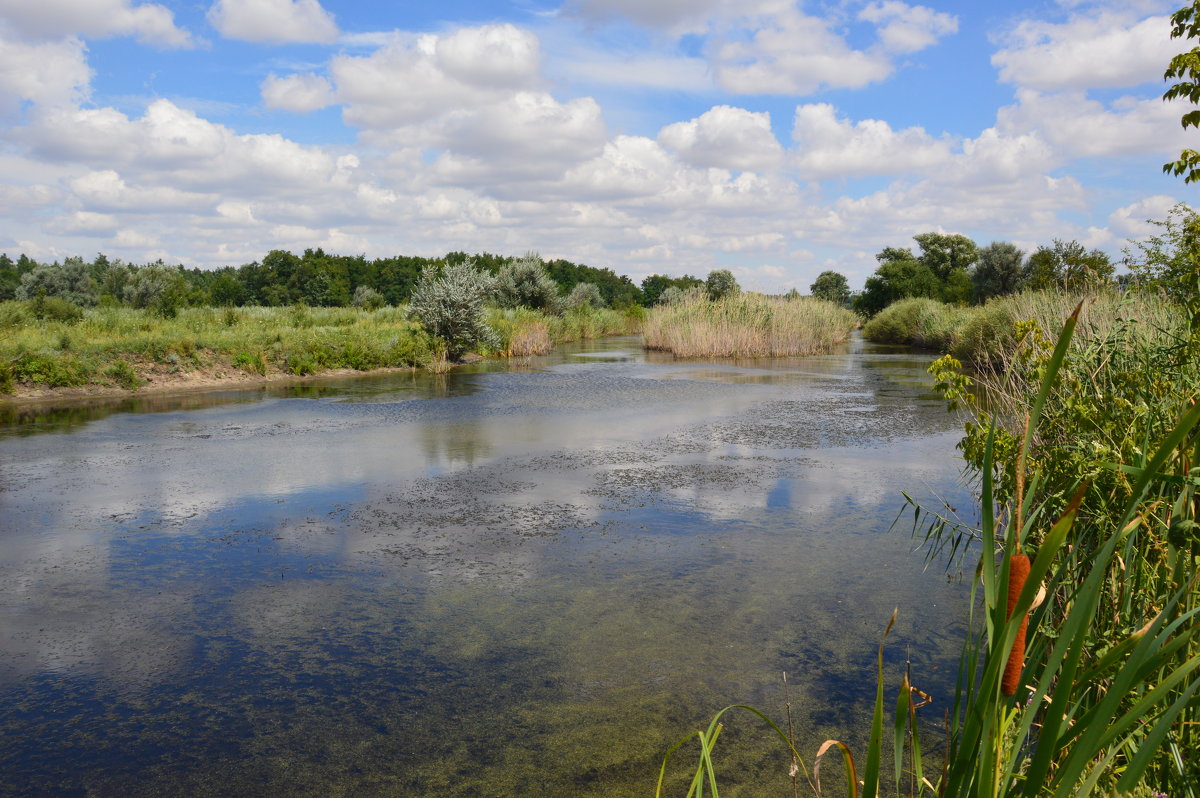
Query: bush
[917,321]
[69,281]
[524,282]
[120,372]
[368,298]
[449,306]
[585,294]
[52,308]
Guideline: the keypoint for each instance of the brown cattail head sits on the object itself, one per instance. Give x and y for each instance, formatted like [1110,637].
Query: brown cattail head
[1018,573]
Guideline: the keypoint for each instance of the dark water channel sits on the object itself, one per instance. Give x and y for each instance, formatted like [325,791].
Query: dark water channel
[518,579]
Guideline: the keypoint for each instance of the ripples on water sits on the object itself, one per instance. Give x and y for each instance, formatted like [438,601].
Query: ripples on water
[517,579]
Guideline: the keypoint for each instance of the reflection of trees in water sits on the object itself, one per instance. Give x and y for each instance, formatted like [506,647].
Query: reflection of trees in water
[464,441]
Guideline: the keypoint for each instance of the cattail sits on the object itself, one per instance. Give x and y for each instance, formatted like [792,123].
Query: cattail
[1018,572]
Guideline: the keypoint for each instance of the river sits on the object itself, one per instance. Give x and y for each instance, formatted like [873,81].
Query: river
[517,579]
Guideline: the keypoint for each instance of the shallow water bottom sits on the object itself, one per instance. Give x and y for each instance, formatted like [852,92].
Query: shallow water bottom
[525,582]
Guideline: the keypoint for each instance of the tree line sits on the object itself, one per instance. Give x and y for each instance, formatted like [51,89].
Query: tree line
[954,269]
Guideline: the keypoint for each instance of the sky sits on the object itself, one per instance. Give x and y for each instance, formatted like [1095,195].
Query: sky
[776,139]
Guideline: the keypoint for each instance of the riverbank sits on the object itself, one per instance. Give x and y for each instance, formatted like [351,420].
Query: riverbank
[115,352]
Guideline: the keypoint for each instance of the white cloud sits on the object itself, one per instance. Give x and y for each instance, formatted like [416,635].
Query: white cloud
[49,74]
[411,80]
[620,69]
[676,16]
[907,29]
[727,138]
[1131,220]
[1078,127]
[301,93]
[106,190]
[273,21]
[795,54]
[1105,50]
[830,147]
[149,22]
[83,223]
[175,147]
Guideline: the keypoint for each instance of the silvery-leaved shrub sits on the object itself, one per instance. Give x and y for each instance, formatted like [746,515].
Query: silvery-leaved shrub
[69,280]
[367,297]
[449,304]
[585,295]
[524,282]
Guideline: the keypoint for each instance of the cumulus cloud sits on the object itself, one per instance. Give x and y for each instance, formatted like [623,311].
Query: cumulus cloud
[907,29]
[1105,50]
[83,223]
[676,16]
[1077,127]
[727,138]
[273,21]
[795,54]
[107,190]
[176,147]
[300,92]
[411,80]
[51,19]
[50,74]
[1131,220]
[827,146]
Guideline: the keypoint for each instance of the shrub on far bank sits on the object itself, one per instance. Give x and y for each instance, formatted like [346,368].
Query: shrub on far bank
[917,321]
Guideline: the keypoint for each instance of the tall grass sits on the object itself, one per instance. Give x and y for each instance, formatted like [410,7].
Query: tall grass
[1108,699]
[127,347]
[747,325]
[985,335]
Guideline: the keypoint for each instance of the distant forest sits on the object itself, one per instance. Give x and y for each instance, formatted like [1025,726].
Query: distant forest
[282,278]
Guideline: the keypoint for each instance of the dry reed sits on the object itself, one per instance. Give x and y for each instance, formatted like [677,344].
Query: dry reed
[748,325]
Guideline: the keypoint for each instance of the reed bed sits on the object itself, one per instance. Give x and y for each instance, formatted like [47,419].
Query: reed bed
[747,325]
[523,332]
[986,335]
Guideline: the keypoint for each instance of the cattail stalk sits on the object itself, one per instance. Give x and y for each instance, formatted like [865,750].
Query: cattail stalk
[1018,573]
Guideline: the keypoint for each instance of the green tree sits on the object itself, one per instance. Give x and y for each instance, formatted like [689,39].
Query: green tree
[998,271]
[1067,265]
[831,286]
[897,279]
[721,283]
[9,278]
[1184,69]
[1171,258]
[946,254]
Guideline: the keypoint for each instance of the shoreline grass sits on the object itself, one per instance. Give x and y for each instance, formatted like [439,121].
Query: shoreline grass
[986,335]
[123,349]
[747,325]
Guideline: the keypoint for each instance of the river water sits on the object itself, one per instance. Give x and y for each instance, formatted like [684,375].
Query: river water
[521,579]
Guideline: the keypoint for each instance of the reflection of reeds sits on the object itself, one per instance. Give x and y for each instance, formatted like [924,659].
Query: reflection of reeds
[747,325]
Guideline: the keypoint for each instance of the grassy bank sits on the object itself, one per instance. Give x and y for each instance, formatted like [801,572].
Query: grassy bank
[124,348]
[524,332]
[747,325]
[987,334]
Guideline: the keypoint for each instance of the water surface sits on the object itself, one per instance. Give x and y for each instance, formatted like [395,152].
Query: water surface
[517,579]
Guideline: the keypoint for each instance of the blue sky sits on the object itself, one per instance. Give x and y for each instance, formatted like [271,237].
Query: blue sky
[775,138]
